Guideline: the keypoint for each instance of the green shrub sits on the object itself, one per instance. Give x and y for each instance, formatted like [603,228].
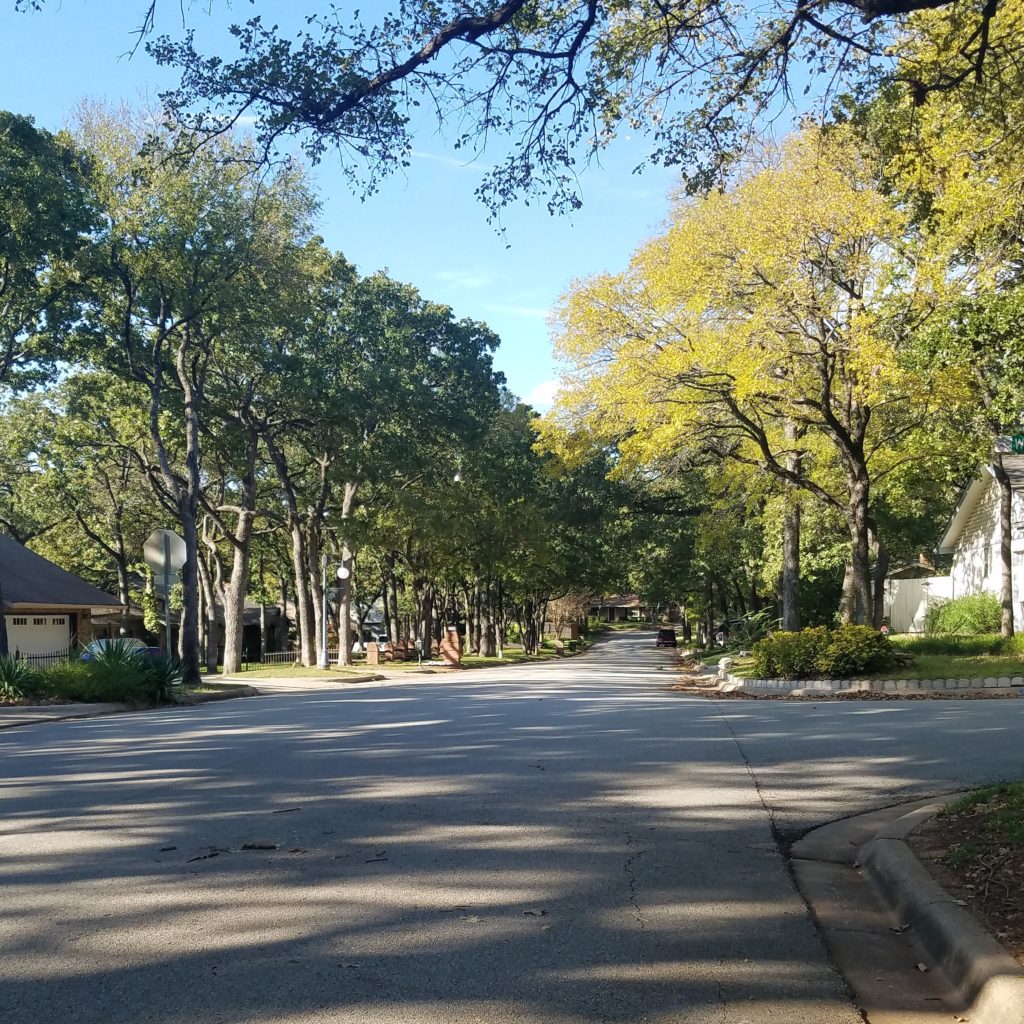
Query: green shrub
[789,655]
[844,651]
[852,650]
[970,615]
[17,678]
[164,680]
[96,682]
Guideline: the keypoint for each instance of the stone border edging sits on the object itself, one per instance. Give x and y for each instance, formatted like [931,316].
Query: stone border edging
[801,686]
[988,977]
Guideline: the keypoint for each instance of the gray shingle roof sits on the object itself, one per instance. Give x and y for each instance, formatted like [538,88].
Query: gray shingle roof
[28,578]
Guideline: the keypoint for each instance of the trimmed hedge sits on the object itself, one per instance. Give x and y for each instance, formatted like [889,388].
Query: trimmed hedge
[830,653]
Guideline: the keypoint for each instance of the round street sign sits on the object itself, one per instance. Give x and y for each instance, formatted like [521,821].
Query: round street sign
[164,546]
[343,572]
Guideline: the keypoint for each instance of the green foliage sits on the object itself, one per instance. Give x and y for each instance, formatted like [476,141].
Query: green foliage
[92,682]
[116,674]
[786,655]
[45,214]
[17,678]
[846,651]
[164,680]
[749,629]
[853,650]
[971,614]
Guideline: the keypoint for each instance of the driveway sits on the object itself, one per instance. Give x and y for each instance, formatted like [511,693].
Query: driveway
[557,844]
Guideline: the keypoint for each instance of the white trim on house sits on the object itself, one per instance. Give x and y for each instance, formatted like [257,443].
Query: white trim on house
[973,537]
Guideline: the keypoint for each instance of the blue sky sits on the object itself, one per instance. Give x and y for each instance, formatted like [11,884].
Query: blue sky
[424,225]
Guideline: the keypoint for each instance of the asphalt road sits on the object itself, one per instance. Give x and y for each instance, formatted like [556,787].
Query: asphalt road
[559,844]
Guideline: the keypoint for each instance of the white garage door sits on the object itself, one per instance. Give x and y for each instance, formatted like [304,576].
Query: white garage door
[38,634]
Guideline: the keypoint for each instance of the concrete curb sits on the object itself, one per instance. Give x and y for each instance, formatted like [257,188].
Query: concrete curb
[230,692]
[986,975]
[1005,685]
[75,712]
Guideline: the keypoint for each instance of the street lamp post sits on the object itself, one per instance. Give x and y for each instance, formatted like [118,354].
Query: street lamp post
[324,660]
[343,574]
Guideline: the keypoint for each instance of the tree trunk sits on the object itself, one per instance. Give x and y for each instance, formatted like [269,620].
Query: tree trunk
[499,599]
[1005,545]
[790,589]
[188,625]
[392,596]
[878,581]
[848,600]
[303,599]
[212,648]
[860,552]
[488,640]
[283,639]
[4,650]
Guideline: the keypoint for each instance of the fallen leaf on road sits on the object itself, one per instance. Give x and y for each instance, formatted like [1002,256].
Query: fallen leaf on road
[535,913]
[901,928]
[298,849]
[922,968]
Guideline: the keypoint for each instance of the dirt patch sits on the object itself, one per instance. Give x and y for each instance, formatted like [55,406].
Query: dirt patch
[976,854]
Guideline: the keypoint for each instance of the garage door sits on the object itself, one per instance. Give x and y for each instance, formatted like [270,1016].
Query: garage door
[38,634]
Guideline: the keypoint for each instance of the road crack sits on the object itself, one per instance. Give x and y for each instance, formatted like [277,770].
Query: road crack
[627,867]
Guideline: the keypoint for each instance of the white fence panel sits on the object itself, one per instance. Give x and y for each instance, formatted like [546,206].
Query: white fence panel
[907,601]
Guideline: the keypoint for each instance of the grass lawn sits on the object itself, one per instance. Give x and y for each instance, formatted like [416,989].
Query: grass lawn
[955,657]
[513,656]
[298,672]
[954,666]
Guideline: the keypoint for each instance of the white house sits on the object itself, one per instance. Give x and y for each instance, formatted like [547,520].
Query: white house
[46,609]
[973,537]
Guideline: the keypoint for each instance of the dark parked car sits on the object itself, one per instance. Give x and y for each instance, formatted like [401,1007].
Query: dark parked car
[130,645]
[666,638]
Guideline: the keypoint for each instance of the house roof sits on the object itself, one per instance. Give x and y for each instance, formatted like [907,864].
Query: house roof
[1014,466]
[29,579]
[617,601]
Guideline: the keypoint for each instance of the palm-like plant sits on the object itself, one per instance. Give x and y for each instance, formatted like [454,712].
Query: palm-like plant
[16,677]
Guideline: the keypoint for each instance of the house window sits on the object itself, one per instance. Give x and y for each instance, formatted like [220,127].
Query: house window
[19,622]
[39,622]
[61,621]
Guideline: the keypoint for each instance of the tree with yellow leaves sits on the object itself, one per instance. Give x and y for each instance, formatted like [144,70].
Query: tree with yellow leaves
[765,326]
